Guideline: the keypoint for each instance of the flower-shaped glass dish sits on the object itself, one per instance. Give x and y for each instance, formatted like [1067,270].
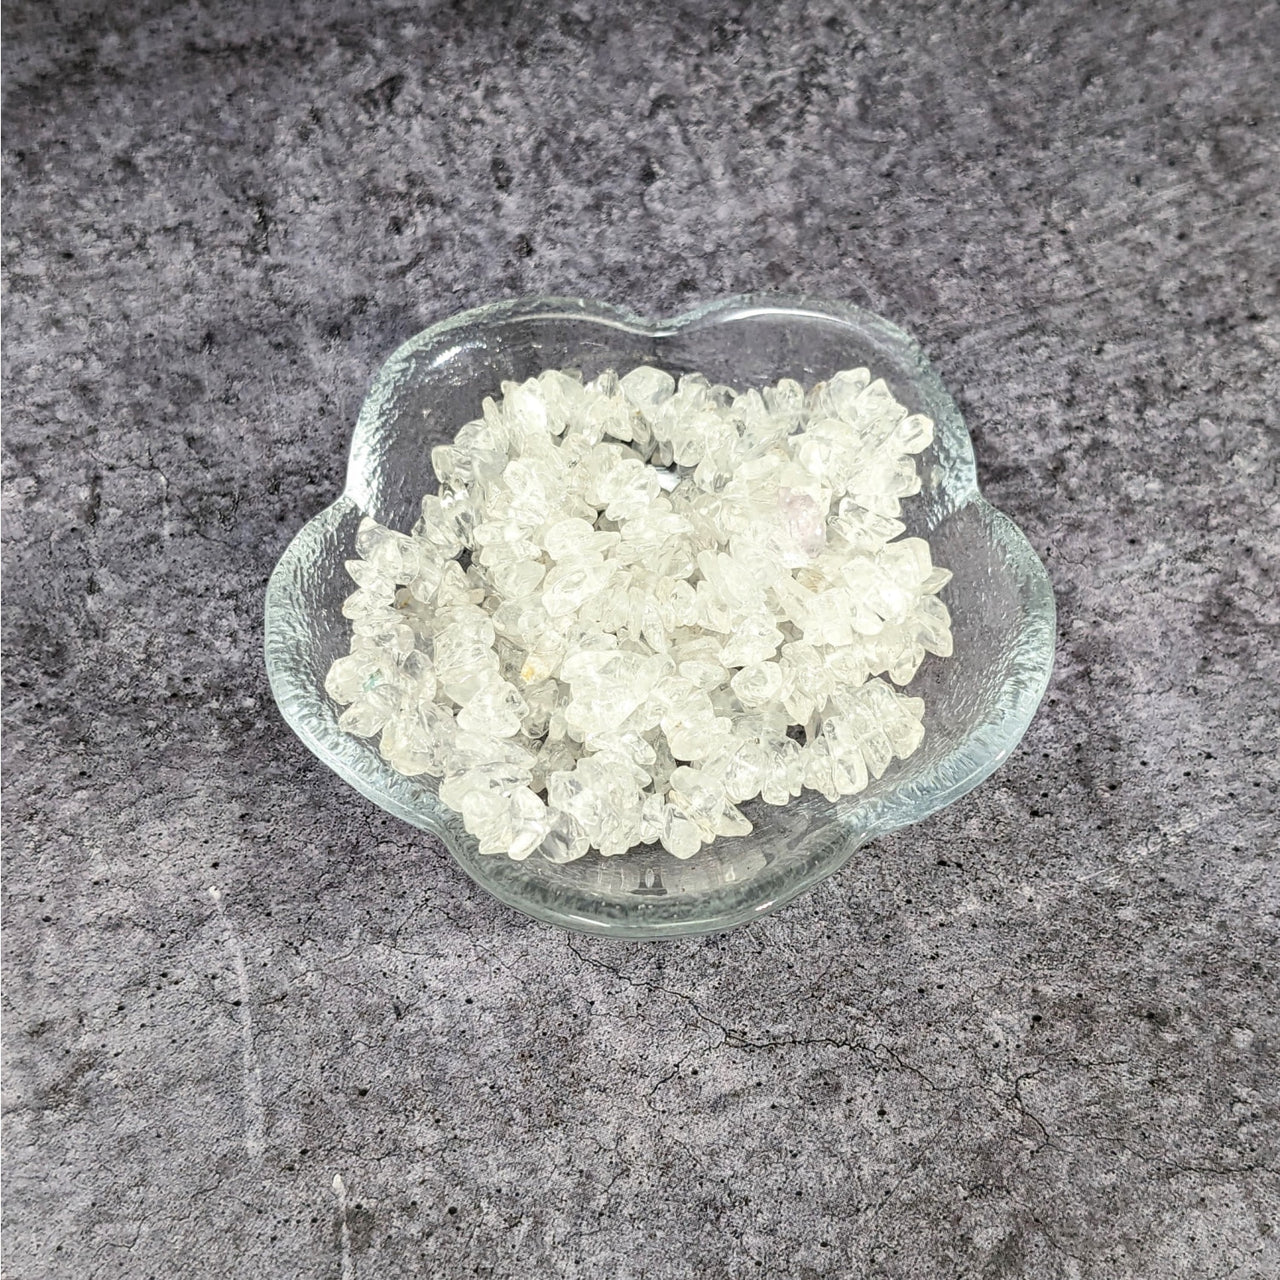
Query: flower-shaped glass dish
[978,702]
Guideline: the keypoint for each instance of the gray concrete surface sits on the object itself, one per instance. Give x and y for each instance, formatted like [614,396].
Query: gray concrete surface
[1034,1037]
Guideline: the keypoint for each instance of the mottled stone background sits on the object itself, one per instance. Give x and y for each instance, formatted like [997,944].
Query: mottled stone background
[1034,1037]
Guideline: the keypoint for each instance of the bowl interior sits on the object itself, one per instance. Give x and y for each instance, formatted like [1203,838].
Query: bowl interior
[977,703]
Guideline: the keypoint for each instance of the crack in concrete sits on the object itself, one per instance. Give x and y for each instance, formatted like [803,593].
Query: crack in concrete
[255,1141]
[344,1226]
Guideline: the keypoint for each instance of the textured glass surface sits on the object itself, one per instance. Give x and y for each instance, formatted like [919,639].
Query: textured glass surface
[978,703]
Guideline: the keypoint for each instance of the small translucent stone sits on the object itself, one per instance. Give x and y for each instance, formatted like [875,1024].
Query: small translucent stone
[428,732]
[569,587]
[541,697]
[838,396]
[566,839]
[753,639]
[353,675]
[566,538]
[679,834]
[472,751]
[495,707]
[914,433]
[937,579]
[464,661]
[706,675]
[399,750]
[529,824]
[387,552]
[758,684]
[652,814]
[742,769]
[646,386]
[821,772]
[933,625]
[515,581]
[370,711]
[803,525]
[701,798]
[454,588]
[497,777]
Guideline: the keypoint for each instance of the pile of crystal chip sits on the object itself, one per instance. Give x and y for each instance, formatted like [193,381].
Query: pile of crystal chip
[635,604]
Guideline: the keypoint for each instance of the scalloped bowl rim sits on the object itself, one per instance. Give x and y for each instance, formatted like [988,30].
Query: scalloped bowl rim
[1020,695]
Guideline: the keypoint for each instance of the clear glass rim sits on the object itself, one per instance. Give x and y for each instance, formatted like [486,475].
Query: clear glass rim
[978,756]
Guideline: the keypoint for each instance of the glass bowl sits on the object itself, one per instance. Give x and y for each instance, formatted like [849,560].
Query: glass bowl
[978,702]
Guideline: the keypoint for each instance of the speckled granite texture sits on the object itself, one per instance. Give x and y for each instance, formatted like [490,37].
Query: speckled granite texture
[1034,1037]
